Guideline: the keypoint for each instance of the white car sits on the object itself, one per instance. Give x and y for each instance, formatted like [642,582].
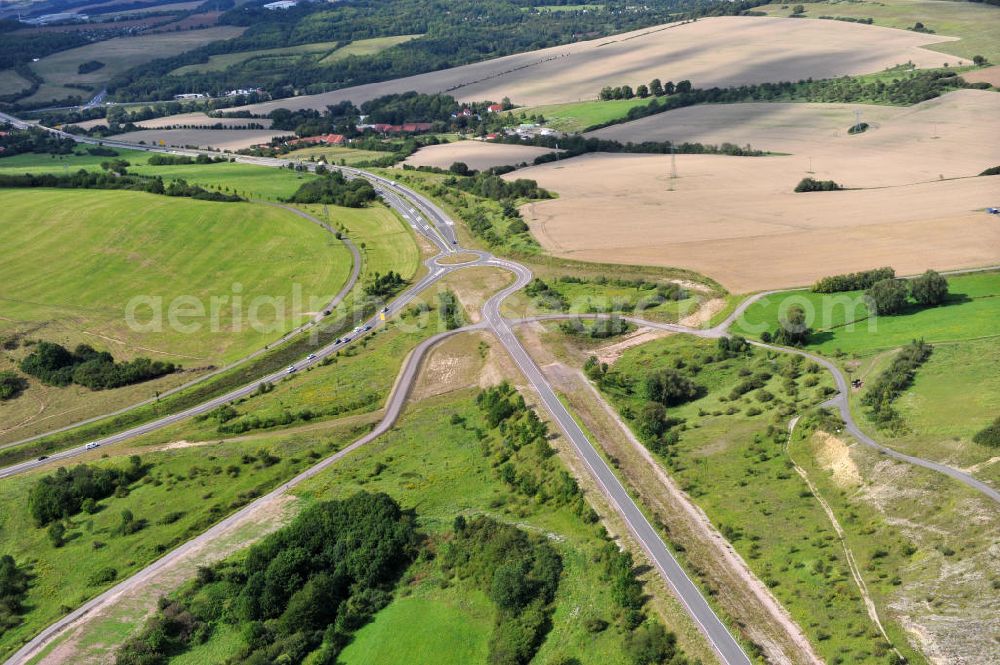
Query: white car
[311,356]
[92,445]
[291,368]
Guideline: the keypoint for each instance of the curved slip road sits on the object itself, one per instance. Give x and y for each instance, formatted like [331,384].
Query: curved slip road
[429,220]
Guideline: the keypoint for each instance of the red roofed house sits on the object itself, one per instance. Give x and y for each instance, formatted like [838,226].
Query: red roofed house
[494,108]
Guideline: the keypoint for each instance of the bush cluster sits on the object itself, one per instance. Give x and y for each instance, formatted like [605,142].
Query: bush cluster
[302,590]
[854,281]
[893,381]
[68,491]
[989,435]
[813,185]
[520,574]
[334,189]
[55,365]
[11,385]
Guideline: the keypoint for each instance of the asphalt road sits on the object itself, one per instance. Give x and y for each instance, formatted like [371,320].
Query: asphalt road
[429,220]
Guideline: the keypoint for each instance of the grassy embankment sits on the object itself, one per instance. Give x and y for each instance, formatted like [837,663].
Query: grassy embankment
[729,457]
[954,394]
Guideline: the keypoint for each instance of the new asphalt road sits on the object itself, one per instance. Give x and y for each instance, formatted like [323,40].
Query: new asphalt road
[430,221]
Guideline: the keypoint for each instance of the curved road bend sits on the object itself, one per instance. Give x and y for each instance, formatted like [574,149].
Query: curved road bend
[840,401]
[336,300]
[393,408]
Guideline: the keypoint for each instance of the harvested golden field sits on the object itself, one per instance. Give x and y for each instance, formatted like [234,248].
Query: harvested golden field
[192,120]
[737,220]
[989,75]
[721,51]
[477,155]
[222,139]
[951,136]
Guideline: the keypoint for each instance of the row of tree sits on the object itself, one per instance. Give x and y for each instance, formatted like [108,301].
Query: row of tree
[654,89]
[905,90]
[854,281]
[892,296]
[893,381]
[55,365]
[115,180]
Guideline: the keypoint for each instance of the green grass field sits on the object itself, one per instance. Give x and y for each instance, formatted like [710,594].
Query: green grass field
[440,471]
[432,625]
[11,82]
[740,476]
[840,320]
[190,482]
[160,247]
[263,58]
[362,47]
[976,24]
[246,180]
[577,116]
[118,55]
[336,155]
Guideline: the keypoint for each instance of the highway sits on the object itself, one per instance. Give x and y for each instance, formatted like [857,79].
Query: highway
[431,222]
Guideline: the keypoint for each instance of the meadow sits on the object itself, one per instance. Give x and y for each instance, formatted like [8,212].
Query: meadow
[577,116]
[386,245]
[975,24]
[186,489]
[841,321]
[118,55]
[729,458]
[264,57]
[246,180]
[362,47]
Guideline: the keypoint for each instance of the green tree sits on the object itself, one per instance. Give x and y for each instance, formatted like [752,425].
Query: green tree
[793,328]
[642,91]
[650,644]
[887,297]
[656,88]
[652,420]
[57,534]
[929,289]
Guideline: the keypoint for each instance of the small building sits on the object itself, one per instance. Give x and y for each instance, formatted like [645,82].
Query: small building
[191,95]
[281,4]
[494,108]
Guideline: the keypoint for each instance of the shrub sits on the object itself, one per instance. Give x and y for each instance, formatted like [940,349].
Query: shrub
[887,297]
[854,281]
[102,576]
[11,385]
[989,435]
[813,185]
[929,289]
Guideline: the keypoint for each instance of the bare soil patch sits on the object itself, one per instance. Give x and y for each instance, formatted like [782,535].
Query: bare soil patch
[222,139]
[721,51]
[478,155]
